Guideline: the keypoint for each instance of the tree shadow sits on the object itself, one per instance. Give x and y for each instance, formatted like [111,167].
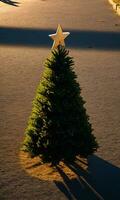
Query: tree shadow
[10,2]
[73,188]
[104,177]
[101,181]
[34,165]
[79,39]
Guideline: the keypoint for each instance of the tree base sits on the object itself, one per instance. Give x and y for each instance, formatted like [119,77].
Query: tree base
[45,171]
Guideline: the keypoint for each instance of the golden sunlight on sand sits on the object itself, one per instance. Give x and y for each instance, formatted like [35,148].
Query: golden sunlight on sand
[35,168]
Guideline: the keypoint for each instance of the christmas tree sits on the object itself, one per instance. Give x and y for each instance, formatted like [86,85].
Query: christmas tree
[59,128]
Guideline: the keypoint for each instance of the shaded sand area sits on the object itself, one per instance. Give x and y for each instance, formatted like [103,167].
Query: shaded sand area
[95,45]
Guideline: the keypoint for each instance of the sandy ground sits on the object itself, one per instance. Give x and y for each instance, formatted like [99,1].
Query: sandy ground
[95,45]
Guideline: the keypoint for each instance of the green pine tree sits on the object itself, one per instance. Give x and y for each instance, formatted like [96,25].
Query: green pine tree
[58,128]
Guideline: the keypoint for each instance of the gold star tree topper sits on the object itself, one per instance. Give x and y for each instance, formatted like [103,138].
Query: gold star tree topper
[59,37]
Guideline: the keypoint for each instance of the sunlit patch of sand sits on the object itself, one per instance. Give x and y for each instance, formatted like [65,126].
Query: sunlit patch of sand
[35,168]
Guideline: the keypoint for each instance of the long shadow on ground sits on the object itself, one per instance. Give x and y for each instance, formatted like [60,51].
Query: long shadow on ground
[101,175]
[105,177]
[10,2]
[81,39]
